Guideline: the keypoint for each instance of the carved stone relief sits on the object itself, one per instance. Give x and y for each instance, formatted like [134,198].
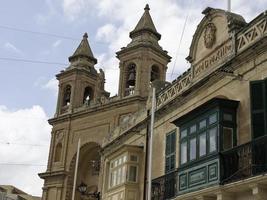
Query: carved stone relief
[209,35]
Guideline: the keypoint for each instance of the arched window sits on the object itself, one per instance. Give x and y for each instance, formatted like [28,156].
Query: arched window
[87,95]
[130,81]
[58,152]
[155,73]
[67,95]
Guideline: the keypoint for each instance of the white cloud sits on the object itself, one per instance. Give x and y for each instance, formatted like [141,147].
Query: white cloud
[21,128]
[11,47]
[57,43]
[168,16]
[106,33]
[74,8]
[168,23]
[51,11]
[51,85]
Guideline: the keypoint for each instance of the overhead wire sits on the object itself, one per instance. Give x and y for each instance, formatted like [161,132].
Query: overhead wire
[23,164]
[24,144]
[181,39]
[45,62]
[46,34]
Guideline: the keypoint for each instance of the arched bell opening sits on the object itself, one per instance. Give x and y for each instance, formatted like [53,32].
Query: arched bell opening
[155,73]
[88,95]
[130,79]
[88,170]
[67,96]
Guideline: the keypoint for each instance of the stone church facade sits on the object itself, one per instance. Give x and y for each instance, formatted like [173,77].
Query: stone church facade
[210,131]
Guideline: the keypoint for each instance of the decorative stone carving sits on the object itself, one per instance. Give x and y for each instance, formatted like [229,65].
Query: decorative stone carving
[176,89]
[59,136]
[252,34]
[209,35]
[102,79]
[214,59]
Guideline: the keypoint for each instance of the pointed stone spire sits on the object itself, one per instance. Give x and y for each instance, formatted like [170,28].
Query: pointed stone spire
[83,51]
[145,24]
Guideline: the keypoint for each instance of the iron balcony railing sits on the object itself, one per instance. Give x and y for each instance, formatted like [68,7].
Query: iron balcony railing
[244,161]
[164,187]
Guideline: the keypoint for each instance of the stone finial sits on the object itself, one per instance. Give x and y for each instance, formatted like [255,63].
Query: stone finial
[85,35]
[147,8]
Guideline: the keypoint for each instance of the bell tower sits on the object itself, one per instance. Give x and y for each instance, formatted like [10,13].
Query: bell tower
[143,60]
[80,84]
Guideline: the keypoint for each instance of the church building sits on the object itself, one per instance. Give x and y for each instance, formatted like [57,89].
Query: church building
[210,127]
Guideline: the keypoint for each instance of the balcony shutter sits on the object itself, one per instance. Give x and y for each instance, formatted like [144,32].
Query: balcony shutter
[170,152]
[258,108]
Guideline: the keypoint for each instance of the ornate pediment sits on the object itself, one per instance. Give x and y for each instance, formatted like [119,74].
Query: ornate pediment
[212,44]
[213,30]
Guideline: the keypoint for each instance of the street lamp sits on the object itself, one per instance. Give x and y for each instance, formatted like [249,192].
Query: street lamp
[82,188]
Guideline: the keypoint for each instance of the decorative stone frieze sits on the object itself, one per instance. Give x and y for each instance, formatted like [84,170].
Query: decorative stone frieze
[252,34]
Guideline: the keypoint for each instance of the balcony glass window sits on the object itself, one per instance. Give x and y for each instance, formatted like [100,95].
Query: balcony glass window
[202,124]
[121,166]
[213,118]
[193,128]
[227,117]
[213,139]
[183,152]
[132,173]
[197,137]
[183,133]
[193,149]
[202,144]
[205,134]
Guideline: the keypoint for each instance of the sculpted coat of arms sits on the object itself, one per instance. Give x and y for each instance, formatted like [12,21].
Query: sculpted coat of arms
[210,35]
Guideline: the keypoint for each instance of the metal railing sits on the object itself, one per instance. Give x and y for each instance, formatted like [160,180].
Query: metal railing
[164,187]
[244,161]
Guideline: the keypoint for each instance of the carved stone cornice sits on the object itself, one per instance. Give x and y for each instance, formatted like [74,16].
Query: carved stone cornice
[47,174]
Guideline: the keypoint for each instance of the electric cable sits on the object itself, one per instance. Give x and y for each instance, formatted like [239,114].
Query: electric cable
[181,38]
[46,34]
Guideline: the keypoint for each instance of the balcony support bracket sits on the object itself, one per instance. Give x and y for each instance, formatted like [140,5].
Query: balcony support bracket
[222,195]
[259,191]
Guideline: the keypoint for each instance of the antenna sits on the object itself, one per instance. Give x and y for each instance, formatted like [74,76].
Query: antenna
[229,5]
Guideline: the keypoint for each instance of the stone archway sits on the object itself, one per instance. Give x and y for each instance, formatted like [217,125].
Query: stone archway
[88,169]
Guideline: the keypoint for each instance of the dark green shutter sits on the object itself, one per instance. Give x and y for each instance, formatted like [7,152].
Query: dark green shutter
[258,108]
[170,152]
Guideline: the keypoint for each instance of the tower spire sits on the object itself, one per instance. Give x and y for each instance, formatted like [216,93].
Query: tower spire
[83,51]
[145,24]
[147,7]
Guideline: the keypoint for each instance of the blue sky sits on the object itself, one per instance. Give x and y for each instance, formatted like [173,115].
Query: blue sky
[28,90]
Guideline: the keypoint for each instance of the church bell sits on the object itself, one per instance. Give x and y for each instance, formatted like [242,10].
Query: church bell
[131,79]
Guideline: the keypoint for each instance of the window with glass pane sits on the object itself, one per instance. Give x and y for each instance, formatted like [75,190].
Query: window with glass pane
[132,173]
[183,133]
[213,139]
[193,128]
[202,144]
[227,117]
[227,138]
[193,149]
[213,118]
[202,124]
[117,171]
[183,152]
